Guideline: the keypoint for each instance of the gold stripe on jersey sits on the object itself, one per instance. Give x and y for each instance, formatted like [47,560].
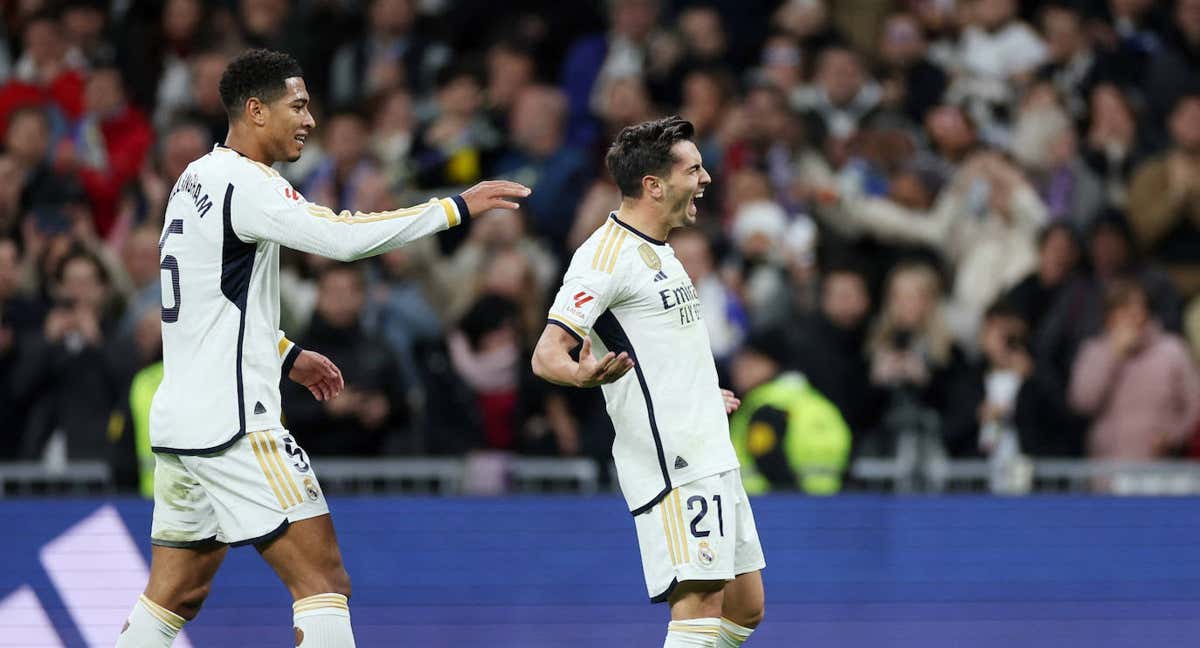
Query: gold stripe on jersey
[616,251]
[683,548]
[283,345]
[562,320]
[608,230]
[285,475]
[271,173]
[265,169]
[670,535]
[452,216]
[344,216]
[608,249]
[267,472]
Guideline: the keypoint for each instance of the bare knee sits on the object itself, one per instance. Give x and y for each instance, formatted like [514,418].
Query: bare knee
[186,602]
[750,617]
[696,600]
[331,580]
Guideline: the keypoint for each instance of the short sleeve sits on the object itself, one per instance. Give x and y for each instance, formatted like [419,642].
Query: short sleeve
[587,291]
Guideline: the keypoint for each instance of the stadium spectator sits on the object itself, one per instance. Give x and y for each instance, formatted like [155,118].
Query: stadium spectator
[107,146]
[1058,259]
[459,144]
[997,55]
[47,72]
[1002,403]
[27,143]
[1078,312]
[371,410]
[1045,144]
[1071,66]
[1138,383]
[827,345]
[912,353]
[707,97]
[842,97]
[1113,145]
[486,351]
[782,64]
[20,318]
[204,105]
[984,223]
[340,173]
[1164,200]
[539,158]
[912,85]
[787,435]
[393,54]
[68,376]
[1173,71]
[155,55]
[595,60]
[392,128]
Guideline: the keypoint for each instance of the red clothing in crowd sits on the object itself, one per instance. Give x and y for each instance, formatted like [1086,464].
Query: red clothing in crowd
[65,92]
[127,139]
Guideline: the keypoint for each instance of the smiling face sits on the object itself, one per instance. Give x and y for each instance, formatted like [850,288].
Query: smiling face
[287,122]
[685,183]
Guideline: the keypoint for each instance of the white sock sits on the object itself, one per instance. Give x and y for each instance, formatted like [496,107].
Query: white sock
[692,633]
[150,625]
[731,634]
[323,621]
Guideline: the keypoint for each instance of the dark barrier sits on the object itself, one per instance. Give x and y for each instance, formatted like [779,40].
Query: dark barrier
[850,572]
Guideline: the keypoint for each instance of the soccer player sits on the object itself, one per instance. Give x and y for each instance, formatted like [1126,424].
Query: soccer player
[627,305]
[226,472]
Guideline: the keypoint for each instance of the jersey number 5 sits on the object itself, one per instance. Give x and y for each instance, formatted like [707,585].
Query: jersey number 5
[171,264]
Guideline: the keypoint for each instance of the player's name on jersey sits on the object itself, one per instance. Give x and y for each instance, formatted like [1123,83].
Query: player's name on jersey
[189,184]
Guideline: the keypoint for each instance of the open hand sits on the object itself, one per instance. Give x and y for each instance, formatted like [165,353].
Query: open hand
[731,402]
[319,374]
[492,194]
[591,372]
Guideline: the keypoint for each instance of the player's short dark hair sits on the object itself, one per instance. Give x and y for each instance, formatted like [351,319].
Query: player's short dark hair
[645,149]
[256,73]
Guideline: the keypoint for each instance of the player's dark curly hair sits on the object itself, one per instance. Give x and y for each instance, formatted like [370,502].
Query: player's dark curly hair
[256,73]
[645,149]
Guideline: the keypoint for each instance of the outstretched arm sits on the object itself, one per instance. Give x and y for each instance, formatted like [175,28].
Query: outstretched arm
[552,361]
[287,218]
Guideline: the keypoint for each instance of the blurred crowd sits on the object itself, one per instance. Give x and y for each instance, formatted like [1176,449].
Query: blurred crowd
[975,218]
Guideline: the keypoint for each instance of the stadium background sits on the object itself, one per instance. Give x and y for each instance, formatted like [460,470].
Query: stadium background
[942,213]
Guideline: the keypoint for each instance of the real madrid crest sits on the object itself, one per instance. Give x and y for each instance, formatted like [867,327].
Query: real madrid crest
[310,487]
[650,257]
[705,554]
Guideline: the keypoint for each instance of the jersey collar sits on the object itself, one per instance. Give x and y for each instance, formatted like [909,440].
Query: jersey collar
[613,215]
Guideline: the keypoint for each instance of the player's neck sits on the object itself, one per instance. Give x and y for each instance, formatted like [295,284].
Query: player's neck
[241,141]
[645,218]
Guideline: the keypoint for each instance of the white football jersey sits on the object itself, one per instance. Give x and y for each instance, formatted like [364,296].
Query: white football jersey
[629,293]
[223,352]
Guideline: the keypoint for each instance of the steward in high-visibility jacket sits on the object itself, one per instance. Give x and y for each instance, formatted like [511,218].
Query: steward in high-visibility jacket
[789,437]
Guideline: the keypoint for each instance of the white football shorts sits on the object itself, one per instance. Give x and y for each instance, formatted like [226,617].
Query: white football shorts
[702,530]
[245,494]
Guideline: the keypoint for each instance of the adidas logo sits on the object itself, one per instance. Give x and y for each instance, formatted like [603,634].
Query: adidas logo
[659,276]
[259,409]
[680,463]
